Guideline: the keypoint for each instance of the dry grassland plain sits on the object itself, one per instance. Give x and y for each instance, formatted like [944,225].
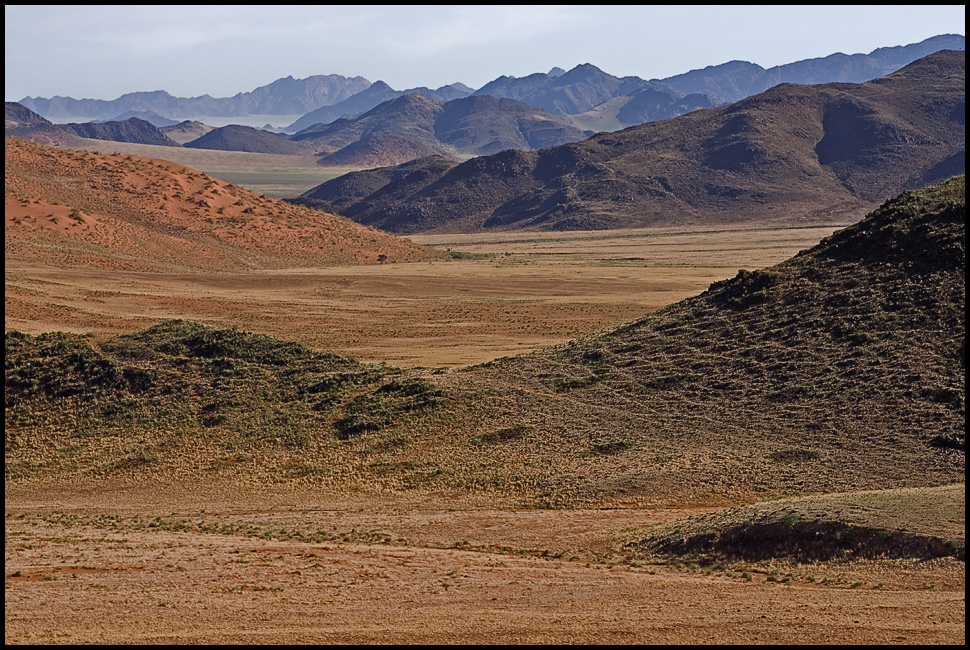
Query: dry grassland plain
[502,295]
[275,175]
[147,560]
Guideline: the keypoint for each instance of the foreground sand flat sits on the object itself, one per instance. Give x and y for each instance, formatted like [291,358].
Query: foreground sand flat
[437,569]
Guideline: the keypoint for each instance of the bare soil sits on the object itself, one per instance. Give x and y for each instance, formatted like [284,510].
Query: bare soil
[109,563]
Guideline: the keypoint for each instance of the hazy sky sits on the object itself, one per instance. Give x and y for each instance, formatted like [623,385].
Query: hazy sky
[105,51]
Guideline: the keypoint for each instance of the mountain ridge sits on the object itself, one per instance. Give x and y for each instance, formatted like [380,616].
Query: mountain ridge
[581,89]
[414,126]
[740,79]
[786,154]
[283,96]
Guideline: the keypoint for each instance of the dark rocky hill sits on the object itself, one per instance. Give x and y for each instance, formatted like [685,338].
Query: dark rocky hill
[21,122]
[131,130]
[381,149]
[484,124]
[347,189]
[19,116]
[409,116]
[236,137]
[793,154]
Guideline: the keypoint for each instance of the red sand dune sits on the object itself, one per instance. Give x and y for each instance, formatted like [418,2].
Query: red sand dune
[72,209]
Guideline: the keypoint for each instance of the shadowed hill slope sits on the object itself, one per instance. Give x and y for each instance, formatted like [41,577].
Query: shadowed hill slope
[840,369]
[237,137]
[793,154]
[70,209]
[482,125]
[131,130]
[18,116]
[21,122]
[409,117]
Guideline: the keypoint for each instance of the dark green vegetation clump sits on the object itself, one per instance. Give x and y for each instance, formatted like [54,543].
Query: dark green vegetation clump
[375,410]
[920,523]
[179,381]
[791,538]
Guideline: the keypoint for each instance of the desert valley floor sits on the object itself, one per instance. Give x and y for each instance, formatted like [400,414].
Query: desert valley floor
[503,294]
[136,559]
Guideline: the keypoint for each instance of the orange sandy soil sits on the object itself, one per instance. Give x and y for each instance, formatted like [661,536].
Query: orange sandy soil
[433,569]
[78,210]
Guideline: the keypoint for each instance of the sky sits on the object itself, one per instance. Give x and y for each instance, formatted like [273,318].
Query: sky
[104,51]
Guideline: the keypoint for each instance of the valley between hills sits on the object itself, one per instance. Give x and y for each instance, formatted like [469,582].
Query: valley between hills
[231,418]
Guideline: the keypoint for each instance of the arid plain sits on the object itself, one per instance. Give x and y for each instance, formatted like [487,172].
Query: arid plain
[498,295]
[85,562]
[157,558]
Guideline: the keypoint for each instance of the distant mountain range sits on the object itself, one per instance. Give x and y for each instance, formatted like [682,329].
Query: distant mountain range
[325,98]
[736,80]
[352,122]
[402,129]
[782,155]
[287,96]
[414,125]
[376,94]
